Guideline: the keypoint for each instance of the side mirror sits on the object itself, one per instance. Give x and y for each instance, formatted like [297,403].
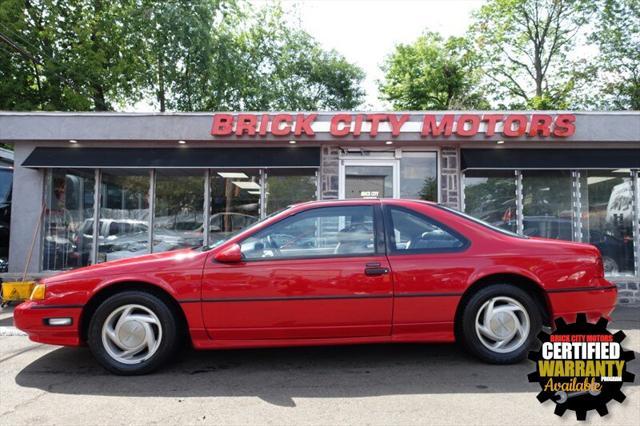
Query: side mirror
[231,254]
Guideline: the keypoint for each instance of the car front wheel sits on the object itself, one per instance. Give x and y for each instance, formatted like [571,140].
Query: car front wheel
[500,323]
[132,333]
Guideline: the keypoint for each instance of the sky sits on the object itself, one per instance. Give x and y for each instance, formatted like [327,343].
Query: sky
[366,31]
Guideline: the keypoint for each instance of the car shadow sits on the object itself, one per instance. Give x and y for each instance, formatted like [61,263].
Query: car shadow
[278,376]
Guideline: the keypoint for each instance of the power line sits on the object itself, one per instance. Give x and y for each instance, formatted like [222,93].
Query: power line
[16,36]
[4,38]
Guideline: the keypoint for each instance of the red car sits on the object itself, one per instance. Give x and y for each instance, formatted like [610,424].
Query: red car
[325,273]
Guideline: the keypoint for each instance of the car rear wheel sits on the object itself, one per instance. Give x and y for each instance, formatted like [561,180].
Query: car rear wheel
[132,333]
[500,323]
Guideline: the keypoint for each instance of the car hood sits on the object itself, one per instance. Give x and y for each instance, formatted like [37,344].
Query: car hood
[132,265]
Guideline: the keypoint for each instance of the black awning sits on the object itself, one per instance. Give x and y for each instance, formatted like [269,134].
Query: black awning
[550,158]
[173,157]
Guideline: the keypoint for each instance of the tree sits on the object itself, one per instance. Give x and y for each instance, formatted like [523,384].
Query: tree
[617,36]
[281,67]
[525,46]
[74,55]
[69,55]
[432,74]
[188,51]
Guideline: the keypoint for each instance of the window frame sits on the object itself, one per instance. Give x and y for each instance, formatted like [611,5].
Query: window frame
[390,236]
[378,237]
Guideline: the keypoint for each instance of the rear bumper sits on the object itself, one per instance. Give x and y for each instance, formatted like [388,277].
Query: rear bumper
[31,318]
[596,302]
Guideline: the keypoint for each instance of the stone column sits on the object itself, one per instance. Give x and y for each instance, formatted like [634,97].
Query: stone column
[329,172]
[450,177]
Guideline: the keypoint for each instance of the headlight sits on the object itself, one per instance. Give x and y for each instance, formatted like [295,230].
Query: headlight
[38,292]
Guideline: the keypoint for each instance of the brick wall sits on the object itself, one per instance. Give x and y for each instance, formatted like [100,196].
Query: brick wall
[628,293]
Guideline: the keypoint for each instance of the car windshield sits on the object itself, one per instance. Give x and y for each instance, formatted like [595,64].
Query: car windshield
[481,222]
[233,234]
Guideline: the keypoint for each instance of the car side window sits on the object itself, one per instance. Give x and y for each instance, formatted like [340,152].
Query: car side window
[320,232]
[415,233]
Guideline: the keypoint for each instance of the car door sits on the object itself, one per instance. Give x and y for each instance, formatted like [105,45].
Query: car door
[428,272]
[318,273]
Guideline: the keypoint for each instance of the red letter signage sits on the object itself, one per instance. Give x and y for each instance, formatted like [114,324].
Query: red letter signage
[478,126]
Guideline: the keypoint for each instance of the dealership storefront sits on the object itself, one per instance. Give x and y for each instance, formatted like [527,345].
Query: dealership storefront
[92,187]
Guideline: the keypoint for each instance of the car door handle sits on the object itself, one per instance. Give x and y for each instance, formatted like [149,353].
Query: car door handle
[375,271]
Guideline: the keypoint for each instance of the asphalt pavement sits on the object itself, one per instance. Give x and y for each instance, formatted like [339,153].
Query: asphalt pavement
[370,384]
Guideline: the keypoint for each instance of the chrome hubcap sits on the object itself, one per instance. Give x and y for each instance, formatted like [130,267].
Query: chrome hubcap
[131,334]
[502,324]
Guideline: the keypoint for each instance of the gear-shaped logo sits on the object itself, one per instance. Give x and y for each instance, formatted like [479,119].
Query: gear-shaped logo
[581,366]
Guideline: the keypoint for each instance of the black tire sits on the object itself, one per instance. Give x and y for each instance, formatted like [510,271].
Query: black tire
[468,327]
[169,341]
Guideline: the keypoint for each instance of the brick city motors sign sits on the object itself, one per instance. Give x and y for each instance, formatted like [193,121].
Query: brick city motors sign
[369,125]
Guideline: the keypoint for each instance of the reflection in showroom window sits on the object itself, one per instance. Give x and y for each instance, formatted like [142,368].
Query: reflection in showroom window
[322,232]
[123,228]
[68,219]
[491,196]
[607,217]
[235,202]
[419,175]
[289,186]
[546,205]
[179,208]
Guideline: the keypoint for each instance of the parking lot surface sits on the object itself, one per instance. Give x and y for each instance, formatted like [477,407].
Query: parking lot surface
[371,384]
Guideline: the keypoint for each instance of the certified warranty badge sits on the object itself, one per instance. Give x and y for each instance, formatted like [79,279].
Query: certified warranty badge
[581,366]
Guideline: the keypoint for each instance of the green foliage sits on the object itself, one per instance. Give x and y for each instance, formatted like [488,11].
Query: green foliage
[79,55]
[525,47]
[278,67]
[617,68]
[70,55]
[432,74]
[429,190]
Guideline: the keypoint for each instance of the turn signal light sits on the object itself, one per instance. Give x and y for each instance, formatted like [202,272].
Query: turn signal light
[38,292]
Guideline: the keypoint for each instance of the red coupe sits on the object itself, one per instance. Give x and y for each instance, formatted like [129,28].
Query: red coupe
[325,273]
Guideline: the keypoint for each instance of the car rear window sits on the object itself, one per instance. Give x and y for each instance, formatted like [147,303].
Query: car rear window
[480,222]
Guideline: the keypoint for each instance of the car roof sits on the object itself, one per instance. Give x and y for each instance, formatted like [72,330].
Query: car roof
[357,201]
[362,201]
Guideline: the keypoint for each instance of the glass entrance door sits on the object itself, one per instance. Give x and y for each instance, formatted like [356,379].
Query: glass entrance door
[368,179]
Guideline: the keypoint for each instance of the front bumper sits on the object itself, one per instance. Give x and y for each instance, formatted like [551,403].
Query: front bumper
[595,302]
[31,318]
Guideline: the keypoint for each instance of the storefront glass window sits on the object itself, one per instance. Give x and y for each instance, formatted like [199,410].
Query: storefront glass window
[68,219]
[6,183]
[546,204]
[123,229]
[179,208]
[368,181]
[607,218]
[286,187]
[491,196]
[419,175]
[235,202]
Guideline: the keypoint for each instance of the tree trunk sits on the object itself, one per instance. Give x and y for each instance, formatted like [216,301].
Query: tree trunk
[99,101]
[161,91]
[538,72]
